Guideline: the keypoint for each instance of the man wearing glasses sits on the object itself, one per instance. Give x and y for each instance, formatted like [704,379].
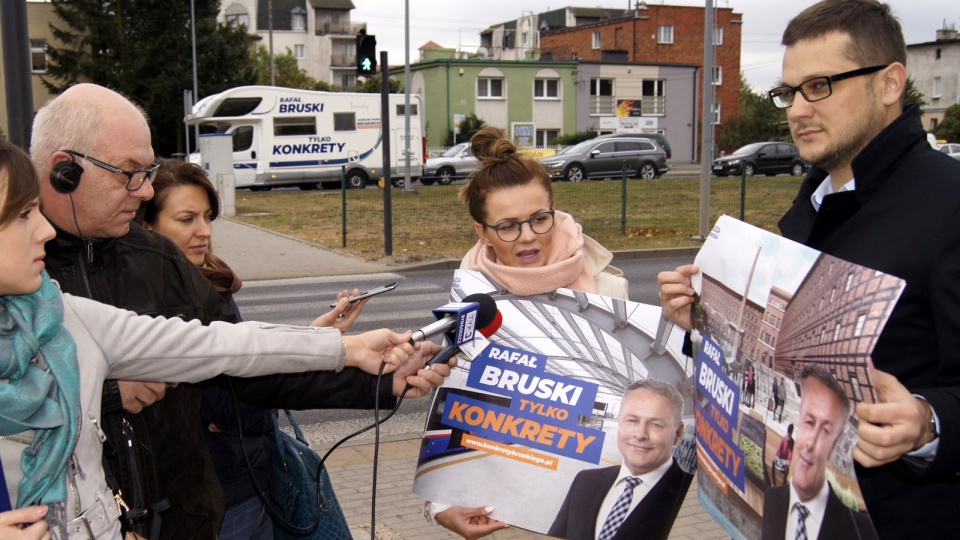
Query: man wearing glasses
[879,196]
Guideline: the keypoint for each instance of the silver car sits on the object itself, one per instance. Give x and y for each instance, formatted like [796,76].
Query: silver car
[950,149]
[605,158]
[456,162]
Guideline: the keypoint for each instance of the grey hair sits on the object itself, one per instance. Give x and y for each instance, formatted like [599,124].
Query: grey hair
[818,372]
[63,124]
[661,388]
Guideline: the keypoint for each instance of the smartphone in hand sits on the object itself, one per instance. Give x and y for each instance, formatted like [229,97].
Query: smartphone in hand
[372,292]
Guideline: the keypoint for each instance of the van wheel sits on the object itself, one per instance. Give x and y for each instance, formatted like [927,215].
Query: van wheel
[356,179]
[426,181]
[574,173]
[399,182]
[648,171]
[309,187]
[445,176]
[797,169]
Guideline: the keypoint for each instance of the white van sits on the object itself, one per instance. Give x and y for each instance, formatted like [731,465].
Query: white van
[286,137]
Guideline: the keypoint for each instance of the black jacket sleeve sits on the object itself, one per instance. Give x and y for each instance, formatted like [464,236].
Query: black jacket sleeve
[350,388]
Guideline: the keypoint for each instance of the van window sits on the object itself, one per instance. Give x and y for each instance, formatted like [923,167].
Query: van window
[299,125]
[345,121]
[237,106]
[242,138]
[401,107]
[627,146]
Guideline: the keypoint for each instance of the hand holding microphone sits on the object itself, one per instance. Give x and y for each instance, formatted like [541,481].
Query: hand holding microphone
[459,320]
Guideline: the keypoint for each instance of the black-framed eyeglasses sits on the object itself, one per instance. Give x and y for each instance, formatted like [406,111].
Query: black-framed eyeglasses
[509,231]
[817,88]
[135,178]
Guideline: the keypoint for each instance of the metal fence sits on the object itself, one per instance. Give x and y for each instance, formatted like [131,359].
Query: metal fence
[621,214]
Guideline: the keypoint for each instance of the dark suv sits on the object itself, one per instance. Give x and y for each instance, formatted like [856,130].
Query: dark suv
[767,158]
[656,137]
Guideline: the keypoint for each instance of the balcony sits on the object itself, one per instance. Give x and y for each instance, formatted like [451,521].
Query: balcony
[339,29]
[343,60]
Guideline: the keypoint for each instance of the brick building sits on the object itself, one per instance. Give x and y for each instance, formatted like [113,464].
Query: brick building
[655,34]
[835,319]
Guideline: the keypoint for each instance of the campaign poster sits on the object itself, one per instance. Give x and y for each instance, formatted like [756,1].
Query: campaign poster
[783,335]
[539,403]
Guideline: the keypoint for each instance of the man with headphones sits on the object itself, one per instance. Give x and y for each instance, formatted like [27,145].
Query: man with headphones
[92,150]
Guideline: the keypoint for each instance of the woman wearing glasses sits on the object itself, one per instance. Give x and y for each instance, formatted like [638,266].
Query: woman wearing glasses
[528,247]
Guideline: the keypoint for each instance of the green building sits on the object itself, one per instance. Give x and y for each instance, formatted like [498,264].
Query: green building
[532,101]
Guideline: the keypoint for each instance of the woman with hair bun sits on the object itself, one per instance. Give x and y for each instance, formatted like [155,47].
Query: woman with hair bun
[528,247]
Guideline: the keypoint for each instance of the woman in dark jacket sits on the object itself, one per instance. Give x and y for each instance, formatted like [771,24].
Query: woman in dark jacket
[183,209]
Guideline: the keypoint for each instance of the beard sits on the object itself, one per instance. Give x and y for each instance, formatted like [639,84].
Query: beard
[850,142]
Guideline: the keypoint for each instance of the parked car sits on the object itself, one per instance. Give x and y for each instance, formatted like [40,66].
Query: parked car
[656,137]
[767,158]
[950,149]
[456,162]
[604,158]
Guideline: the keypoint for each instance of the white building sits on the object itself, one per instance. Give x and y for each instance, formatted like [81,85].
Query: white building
[319,33]
[935,69]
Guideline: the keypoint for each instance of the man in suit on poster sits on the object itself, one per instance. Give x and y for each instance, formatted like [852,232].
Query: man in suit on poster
[641,497]
[807,507]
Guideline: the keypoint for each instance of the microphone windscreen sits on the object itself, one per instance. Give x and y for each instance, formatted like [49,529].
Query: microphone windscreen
[487,311]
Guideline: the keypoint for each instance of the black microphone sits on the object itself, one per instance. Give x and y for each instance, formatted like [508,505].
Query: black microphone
[486,312]
[450,351]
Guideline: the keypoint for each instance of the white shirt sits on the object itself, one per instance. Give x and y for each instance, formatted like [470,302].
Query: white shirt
[817,507]
[826,188]
[647,481]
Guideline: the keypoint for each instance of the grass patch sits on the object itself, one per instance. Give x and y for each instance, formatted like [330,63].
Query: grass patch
[432,223]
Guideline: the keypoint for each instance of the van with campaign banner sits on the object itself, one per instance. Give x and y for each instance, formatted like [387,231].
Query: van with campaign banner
[292,137]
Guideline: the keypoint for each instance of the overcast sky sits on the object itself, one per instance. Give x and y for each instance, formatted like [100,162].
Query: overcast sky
[457,23]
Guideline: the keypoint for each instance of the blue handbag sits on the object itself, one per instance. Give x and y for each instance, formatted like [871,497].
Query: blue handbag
[298,509]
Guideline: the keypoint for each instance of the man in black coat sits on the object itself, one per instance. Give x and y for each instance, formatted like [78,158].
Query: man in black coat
[649,426]
[824,412]
[879,196]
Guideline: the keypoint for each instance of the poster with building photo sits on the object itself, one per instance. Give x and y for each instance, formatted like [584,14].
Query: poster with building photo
[782,337]
[513,427]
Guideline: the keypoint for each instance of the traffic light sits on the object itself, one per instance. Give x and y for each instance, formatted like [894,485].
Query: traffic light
[366,54]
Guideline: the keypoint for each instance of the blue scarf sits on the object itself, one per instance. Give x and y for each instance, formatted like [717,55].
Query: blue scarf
[46,400]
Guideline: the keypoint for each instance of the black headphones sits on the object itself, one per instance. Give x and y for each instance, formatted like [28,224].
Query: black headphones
[65,175]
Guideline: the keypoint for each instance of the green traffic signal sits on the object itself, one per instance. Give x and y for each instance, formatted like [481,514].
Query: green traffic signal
[366,54]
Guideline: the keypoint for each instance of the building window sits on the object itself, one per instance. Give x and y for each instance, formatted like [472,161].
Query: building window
[716,114]
[654,100]
[546,88]
[547,137]
[596,40]
[490,88]
[664,34]
[347,81]
[936,88]
[299,52]
[861,319]
[524,38]
[849,282]
[718,36]
[38,55]
[836,333]
[601,96]
[934,123]
[717,75]
[298,18]
[937,54]
[237,15]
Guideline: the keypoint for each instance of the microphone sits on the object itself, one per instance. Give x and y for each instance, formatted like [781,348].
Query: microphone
[459,319]
[450,351]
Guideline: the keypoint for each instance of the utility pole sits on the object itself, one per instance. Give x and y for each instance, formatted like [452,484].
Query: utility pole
[273,81]
[706,147]
[16,63]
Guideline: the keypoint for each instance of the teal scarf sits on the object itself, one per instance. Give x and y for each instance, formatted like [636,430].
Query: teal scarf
[31,397]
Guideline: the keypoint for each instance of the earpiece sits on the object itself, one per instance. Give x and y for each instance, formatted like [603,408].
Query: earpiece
[65,176]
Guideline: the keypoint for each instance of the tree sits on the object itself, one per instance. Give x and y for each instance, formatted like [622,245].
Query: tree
[912,96]
[949,129]
[758,121]
[287,72]
[142,48]
[468,127]
[371,85]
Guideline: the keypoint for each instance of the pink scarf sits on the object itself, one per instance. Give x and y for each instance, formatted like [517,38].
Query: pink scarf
[565,268]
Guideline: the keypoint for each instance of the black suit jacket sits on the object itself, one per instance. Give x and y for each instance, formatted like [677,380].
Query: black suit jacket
[840,522]
[651,519]
[903,218]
